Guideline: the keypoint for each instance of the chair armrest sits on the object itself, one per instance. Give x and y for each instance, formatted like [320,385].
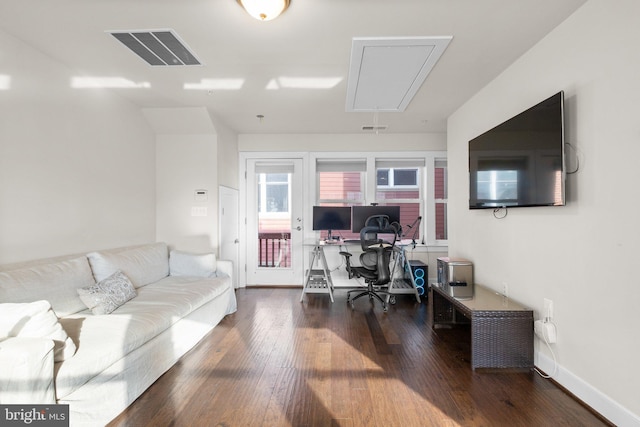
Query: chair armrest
[30,378]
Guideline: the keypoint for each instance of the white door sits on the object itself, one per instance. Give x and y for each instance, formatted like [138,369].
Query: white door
[274,222]
[229,229]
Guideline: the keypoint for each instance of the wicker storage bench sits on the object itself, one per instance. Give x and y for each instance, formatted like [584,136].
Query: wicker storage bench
[501,329]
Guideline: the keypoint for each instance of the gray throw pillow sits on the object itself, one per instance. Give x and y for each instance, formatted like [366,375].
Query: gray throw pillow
[108,294]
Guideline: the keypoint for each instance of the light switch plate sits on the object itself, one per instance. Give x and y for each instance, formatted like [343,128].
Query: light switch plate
[199,211]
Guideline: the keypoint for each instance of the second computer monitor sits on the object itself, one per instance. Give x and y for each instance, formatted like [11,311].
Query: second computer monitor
[359,215]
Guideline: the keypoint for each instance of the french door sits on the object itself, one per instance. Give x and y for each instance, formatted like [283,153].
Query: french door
[274,222]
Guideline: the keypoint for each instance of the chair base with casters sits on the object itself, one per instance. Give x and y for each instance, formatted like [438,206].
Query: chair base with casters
[371,278]
[371,293]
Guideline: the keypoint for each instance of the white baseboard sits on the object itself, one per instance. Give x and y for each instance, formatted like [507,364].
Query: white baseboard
[601,403]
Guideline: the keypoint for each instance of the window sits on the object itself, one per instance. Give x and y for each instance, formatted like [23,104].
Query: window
[418,184]
[440,198]
[340,187]
[340,183]
[397,177]
[273,193]
[398,183]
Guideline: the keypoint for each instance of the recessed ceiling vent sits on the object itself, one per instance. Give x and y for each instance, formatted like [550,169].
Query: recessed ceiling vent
[374,128]
[157,47]
[386,73]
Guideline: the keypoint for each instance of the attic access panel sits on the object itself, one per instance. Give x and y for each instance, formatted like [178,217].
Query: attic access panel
[386,73]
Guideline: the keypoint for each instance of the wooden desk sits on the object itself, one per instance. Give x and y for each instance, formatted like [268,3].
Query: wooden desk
[501,329]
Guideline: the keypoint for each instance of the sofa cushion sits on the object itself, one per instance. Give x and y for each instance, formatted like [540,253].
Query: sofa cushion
[190,264]
[142,265]
[55,282]
[108,294]
[35,320]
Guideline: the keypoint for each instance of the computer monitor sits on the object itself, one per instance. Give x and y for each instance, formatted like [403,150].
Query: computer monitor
[331,218]
[359,215]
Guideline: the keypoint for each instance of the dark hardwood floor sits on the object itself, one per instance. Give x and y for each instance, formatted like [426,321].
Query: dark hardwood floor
[279,362]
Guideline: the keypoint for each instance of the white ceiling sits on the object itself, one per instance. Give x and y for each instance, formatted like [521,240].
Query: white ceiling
[292,70]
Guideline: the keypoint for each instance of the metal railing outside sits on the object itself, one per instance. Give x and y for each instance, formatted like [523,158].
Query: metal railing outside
[274,249]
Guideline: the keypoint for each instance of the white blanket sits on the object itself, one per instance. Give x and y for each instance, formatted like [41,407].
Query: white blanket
[154,310]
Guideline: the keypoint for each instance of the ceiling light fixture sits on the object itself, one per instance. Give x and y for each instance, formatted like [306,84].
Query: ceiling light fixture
[264,10]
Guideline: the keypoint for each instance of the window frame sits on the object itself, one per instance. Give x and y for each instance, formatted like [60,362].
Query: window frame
[426,184]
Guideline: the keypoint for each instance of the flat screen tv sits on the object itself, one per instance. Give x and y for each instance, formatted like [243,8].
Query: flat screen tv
[359,215]
[330,218]
[521,161]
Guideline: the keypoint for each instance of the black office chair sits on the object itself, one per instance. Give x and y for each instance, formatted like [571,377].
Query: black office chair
[374,260]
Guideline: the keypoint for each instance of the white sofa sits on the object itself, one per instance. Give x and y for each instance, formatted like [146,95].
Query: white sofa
[109,359]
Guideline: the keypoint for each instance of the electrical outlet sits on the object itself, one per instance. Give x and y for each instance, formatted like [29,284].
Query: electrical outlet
[505,289]
[548,309]
[546,331]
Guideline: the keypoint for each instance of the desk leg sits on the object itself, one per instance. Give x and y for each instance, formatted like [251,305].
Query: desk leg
[408,286]
[318,254]
[327,274]
[308,276]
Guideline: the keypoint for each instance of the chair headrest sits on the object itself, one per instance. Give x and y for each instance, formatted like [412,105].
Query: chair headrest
[379,224]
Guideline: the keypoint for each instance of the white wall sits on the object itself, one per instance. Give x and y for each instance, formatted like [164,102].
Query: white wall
[186,163]
[194,152]
[582,256]
[342,142]
[76,165]
[228,156]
